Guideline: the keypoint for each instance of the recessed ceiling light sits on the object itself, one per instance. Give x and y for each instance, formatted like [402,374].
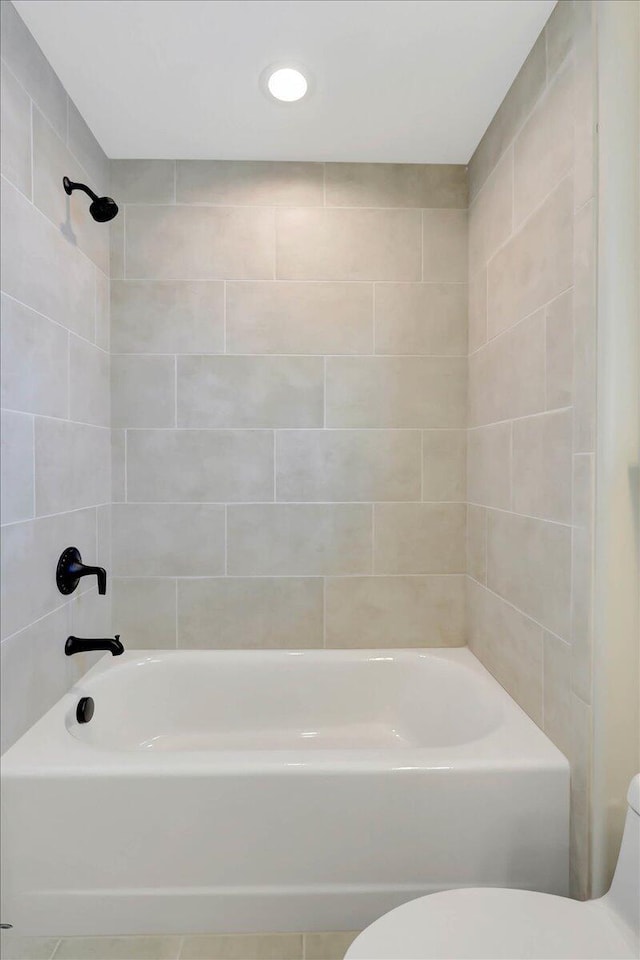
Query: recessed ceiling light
[287,84]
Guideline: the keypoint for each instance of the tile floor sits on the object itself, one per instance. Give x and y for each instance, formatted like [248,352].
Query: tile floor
[273,946]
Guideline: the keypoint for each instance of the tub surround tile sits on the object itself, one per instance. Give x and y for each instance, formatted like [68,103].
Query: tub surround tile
[103,312]
[477,543]
[235,613]
[399,611]
[89,387]
[559,33]
[72,465]
[444,457]
[168,539]
[143,391]
[419,538]
[421,318]
[477,301]
[542,466]
[15,947]
[199,243]
[144,612]
[250,391]
[118,948]
[35,362]
[249,183]
[395,185]
[347,465]
[491,214]
[16,464]
[299,539]
[328,946]
[396,392]
[143,181]
[225,465]
[167,316]
[348,244]
[559,351]
[489,465]
[299,317]
[15,146]
[118,465]
[249,946]
[444,245]
[557,692]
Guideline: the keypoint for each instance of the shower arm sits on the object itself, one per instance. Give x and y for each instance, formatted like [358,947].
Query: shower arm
[70,186]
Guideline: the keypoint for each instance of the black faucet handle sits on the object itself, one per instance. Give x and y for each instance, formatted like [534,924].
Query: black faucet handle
[71,568]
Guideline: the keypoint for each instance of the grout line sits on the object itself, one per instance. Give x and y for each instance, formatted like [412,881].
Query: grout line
[175,391]
[226,540]
[175,181]
[373,320]
[177,644]
[324,613]
[373,539]
[224,318]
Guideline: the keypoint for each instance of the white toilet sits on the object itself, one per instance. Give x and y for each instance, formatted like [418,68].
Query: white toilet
[479,922]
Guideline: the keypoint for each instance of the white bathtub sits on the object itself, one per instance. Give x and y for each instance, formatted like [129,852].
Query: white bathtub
[221,791]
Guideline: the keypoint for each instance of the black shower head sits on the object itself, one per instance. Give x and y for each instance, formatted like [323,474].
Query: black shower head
[102,209]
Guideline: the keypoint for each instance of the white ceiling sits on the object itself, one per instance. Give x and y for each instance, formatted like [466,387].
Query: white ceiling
[413,81]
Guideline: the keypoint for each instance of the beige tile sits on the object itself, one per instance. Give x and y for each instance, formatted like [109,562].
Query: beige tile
[584,331]
[32,69]
[444,245]
[72,464]
[529,564]
[167,316]
[299,317]
[35,364]
[491,214]
[557,692]
[535,265]
[477,309]
[247,946]
[419,538]
[42,269]
[585,107]
[396,392]
[52,160]
[582,577]
[143,391]
[543,150]
[143,612]
[559,30]
[16,464]
[246,614]
[85,147]
[199,243]
[34,674]
[103,312]
[444,458]
[143,181]
[425,611]
[168,539]
[507,375]
[542,466]
[118,465]
[580,818]
[477,543]
[15,145]
[396,185]
[249,182]
[559,351]
[199,465]
[30,551]
[88,383]
[15,947]
[250,391]
[509,117]
[118,948]
[328,946]
[421,318]
[299,539]
[335,244]
[116,248]
[489,466]
[347,465]
[509,645]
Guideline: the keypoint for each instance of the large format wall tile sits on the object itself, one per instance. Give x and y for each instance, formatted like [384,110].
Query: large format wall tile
[15,145]
[395,185]
[491,214]
[444,457]
[489,466]
[250,391]
[419,538]
[167,316]
[529,564]
[421,318]
[143,181]
[299,539]
[143,391]
[199,243]
[35,361]
[168,539]
[542,466]
[298,317]
[88,383]
[417,611]
[249,183]
[247,614]
[199,465]
[16,464]
[334,244]
[72,463]
[364,465]
[144,612]
[396,392]
[444,245]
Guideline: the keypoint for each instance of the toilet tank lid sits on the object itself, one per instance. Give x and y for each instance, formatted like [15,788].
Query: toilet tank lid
[633,796]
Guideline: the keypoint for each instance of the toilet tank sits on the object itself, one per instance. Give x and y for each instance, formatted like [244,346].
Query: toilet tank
[624,894]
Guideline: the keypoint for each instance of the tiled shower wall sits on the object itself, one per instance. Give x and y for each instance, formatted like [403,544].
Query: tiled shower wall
[55,380]
[532,395]
[289,404]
